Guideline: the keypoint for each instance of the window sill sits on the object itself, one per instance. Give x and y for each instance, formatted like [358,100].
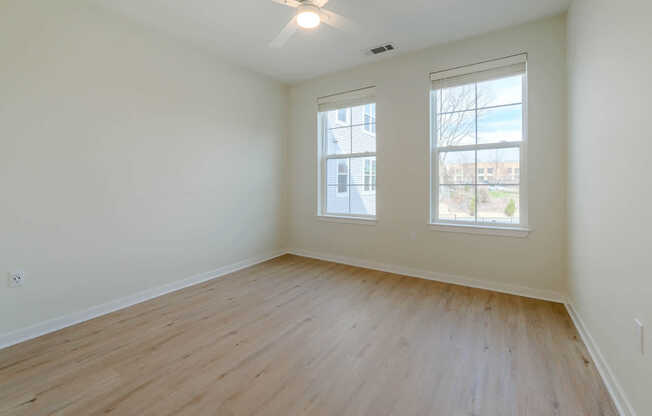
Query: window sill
[347,220]
[516,232]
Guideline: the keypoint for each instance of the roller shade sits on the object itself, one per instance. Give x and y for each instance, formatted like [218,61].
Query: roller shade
[347,99]
[484,71]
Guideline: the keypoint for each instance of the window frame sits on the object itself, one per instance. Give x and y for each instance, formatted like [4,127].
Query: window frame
[474,227]
[361,97]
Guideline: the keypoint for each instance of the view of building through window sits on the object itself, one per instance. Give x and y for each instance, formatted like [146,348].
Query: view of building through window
[370,118]
[479,132]
[349,148]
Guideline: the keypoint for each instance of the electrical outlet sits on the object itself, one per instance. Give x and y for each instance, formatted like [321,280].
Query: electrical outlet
[15,279]
[640,329]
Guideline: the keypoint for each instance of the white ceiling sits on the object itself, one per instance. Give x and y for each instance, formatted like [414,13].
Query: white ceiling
[240,30]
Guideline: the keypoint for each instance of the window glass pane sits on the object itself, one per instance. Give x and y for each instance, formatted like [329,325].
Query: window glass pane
[339,141]
[357,167]
[364,114]
[455,99]
[498,204]
[366,173]
[457,202]
[485,112]
[362,202]
[337,171]
[338,118]
[363,170]
[502,124]
[357,114]
[342,116]
[499,166]
[456,168]
[455,129]
[342,177]
[500,91]
[337,202]
[350,182]
[363,140]
[369,119]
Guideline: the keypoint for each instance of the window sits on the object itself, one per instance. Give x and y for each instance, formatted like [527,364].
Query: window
[369,118]
[347,155]
[478,127]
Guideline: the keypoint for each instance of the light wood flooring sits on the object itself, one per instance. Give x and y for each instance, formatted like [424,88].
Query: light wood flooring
[298,336]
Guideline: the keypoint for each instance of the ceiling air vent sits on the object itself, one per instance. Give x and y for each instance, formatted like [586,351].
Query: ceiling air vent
[381,49]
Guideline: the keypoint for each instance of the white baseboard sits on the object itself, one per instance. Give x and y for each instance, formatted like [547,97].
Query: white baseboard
[615,390]
[55,324]
[543,294]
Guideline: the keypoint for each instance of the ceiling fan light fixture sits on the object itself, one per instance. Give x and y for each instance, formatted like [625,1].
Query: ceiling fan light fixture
[308,16]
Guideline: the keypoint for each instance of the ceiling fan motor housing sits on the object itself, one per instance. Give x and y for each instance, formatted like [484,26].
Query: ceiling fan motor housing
[307,6]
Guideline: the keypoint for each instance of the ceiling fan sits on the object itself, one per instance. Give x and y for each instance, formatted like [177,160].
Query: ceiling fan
[310,13]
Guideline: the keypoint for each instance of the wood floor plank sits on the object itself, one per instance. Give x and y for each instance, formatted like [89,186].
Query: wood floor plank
[298,336]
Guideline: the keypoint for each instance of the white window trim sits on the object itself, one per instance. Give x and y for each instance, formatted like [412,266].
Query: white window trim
[347,219]
[520,230]
[331,102]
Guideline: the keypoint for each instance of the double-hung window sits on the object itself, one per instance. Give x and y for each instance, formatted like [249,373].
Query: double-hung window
[478,144]
[347,154]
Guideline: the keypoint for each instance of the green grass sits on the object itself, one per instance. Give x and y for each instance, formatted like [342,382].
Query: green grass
[502,194]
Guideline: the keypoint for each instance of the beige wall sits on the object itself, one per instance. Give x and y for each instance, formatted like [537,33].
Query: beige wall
[402,153]
[127,160]
[610,56]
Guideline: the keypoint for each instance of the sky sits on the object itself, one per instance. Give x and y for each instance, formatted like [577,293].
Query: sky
[494,125]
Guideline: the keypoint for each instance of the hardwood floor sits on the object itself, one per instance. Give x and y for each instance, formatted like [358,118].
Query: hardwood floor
[297,336]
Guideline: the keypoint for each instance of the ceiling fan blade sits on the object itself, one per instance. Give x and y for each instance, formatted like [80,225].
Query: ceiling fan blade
[320,3]
[291,3]
[337,21]
[285,34]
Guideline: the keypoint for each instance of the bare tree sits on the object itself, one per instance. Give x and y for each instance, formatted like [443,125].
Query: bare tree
[456,117]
